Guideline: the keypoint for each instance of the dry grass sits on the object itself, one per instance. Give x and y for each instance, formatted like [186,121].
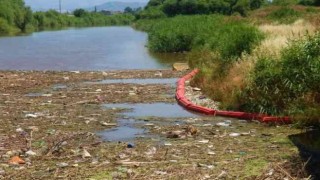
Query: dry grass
[279,35]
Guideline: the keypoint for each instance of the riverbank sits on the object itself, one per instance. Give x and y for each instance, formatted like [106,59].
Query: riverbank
[64,111]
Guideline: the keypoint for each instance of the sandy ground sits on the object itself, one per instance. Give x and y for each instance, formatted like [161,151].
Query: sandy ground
[53,131]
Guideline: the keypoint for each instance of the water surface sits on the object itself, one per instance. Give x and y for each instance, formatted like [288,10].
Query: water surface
[171,81]
[97,48]
[153,110]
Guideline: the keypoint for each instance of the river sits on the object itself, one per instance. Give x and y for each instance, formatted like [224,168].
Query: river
[85,49]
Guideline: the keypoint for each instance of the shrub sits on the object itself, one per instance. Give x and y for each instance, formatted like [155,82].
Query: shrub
[289,85]
[284,15]
[4,27]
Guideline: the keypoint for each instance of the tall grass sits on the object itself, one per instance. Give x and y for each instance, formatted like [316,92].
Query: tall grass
[229,87]
[289,84]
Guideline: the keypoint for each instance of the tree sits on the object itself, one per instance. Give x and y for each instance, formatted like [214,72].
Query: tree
[128,10]
[171,7]
[23,18]
[80,13]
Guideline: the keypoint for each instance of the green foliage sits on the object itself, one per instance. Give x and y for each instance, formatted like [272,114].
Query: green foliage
[284,2]
[289,85]
[285,15]
[151,13]
[14,15]
[4,27]
[184,33]
[80,13]
[310,2]
[187,7]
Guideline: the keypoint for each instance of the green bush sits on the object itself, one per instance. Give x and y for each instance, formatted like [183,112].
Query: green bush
[151,13]
[289,85]
[183,33]
[4,27]
[284,15]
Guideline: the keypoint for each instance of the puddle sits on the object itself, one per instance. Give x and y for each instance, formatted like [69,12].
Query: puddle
[153,110]
[127,130]
[34,95]
[122,133]
[308,144]
[57,87]
[136,81]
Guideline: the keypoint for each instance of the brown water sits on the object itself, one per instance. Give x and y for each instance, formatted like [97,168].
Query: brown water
[97,48]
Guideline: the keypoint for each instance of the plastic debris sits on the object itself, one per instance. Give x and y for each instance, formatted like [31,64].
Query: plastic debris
[85,154]
[223,124]
[62,165]
[31,153]
[19,130]
[204,141]
[152,151]
[160,172]
[108,124]
[130,145]
[16,160]
[234,134]
[31,116]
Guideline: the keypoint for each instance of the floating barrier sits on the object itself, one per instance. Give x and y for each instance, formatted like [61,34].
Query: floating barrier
[180,96]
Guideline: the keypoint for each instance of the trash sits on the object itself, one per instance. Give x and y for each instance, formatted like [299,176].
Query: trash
[31,116]
[66,78]
[222,174]
[152,151]
[31,153]
[130,145]
[158,74]
[99,98]
[85,154]
[196,89]
[160,172]
[122,156]
[234,134]
[223,124]
[95,161]
[202,97]
[271,172]
[191,130]
[2,172]
[149,124]
[99,90]
[245,134]
[16,160]
[167,144]
[132,93]
[62,165]
[174,134]
[173,161]
[19,130]
[211,153]
[46,95]
[206,166]
[108,124]
[33,128]
[75,165]
[204,141]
